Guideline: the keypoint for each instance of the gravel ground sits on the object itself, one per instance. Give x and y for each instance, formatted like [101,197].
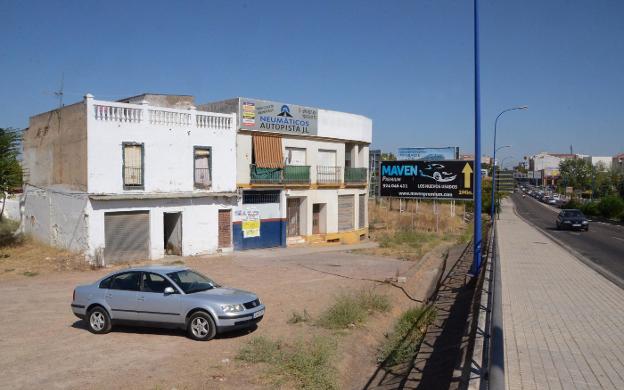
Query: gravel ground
[43,345]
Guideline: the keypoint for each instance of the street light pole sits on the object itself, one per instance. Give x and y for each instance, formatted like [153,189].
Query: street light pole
[494,163]
[476,259]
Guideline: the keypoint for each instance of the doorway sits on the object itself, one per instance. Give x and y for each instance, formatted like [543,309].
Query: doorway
[225,229]
[318,218]
[172,223]
[292,216]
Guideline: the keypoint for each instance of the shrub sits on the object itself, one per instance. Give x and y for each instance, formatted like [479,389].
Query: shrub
[402,344]
[7,233]
[590,208]
[297,317]
[309,363]
[352,308]
[611,206]
[571,204]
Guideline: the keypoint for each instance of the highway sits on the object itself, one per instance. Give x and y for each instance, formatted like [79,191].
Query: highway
[603,244]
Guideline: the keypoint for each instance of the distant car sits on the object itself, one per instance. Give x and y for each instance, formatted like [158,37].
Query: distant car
[572,219]
[165,296]
[552,200]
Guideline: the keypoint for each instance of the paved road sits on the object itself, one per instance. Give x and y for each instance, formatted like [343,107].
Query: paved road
[603,244]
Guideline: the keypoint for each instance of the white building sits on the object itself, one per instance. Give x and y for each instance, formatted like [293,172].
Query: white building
[602,164]
[138,178]
[302,171]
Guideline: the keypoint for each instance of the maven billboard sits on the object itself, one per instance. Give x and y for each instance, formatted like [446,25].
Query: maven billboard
[445,179]
[429,154]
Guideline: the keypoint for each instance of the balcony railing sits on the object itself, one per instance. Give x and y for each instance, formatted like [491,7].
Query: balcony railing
[290,174]
[356,175]
[133,177]
[328,174]
[202,178]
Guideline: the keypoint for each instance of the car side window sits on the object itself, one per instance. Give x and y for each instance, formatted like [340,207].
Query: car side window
[106,282]
[126,281]
[151,282]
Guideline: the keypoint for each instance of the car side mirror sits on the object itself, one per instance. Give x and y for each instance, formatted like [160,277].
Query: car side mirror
[169,290]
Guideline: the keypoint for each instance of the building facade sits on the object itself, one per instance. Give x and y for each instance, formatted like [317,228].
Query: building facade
[302,173]
[133,179]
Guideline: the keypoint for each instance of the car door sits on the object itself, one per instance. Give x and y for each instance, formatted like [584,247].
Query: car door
[121,295]
[153,305]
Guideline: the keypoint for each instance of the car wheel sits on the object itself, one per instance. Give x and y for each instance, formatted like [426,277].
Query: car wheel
[587,229]
[99,321]
[201,327]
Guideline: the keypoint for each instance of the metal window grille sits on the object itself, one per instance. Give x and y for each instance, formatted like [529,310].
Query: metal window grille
[257,197]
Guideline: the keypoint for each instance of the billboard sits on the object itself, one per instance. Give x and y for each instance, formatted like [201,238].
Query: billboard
[264,115]
[446,153]
[442,179]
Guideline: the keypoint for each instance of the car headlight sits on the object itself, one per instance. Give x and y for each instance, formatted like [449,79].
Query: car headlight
[232,308]
[584,222]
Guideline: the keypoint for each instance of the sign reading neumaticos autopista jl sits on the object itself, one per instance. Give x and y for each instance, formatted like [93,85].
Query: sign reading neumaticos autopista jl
[446,179]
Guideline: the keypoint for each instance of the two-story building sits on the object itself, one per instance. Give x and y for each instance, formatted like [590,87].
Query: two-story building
[138,178]
[302,173]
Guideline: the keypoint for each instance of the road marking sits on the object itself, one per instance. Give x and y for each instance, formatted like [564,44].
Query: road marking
[618,238]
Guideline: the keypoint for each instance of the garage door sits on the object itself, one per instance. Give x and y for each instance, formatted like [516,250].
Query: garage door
[127,236]
[345,212]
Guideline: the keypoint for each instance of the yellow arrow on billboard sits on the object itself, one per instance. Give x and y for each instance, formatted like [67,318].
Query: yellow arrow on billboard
[467,171]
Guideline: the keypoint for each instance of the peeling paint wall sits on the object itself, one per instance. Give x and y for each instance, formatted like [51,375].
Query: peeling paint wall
[55,148]
[56,218]
[199,222]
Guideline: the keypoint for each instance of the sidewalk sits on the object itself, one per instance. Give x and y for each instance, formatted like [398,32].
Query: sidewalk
[563,323]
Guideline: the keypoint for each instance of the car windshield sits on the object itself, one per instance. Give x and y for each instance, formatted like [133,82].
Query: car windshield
[191,281]
[573,214]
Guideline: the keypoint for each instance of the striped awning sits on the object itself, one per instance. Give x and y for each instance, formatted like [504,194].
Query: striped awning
[268,151]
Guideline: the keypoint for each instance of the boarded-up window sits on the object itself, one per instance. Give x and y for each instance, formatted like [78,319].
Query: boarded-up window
[345,212]
[133,165]
[203,168]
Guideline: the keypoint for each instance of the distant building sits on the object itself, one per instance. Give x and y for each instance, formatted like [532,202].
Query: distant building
[601,163]
[617,162]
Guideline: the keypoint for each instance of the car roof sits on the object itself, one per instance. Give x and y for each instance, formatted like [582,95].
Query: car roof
[154,268]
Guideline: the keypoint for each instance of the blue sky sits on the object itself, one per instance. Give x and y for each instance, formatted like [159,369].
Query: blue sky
[408,65]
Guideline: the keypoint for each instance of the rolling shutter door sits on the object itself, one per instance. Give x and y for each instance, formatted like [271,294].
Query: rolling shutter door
[126,235]
[345,212]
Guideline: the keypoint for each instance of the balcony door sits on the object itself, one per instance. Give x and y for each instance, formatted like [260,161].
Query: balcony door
[295,156]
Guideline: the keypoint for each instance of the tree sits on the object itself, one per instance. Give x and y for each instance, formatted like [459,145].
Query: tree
[388,157]
[10,168]
[577,173]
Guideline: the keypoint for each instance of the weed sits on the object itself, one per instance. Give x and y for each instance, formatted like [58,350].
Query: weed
[9,269]
[30,273]
[177,262]
[297,317]
[402,344]
[352,308]
[308,363]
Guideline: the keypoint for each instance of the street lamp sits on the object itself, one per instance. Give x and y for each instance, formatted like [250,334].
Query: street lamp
[493,170]
[503,161]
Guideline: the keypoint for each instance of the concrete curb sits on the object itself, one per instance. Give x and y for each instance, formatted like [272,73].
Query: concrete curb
[597,268]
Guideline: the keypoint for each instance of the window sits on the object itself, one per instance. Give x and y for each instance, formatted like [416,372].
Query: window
[191,282]
[295,156]
[203,167]
[126,281]
[258,197]
[106,282]
[132,166]
[154,283]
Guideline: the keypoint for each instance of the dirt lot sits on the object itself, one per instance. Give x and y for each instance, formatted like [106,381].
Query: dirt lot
[44,346]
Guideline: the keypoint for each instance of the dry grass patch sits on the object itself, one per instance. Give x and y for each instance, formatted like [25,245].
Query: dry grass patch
[351,309]
[306,363]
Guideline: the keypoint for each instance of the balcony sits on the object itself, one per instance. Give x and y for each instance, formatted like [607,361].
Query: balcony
[290,174]
[356,176]
[328,175]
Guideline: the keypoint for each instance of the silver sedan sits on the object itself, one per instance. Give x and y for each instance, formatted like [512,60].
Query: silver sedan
[165,296]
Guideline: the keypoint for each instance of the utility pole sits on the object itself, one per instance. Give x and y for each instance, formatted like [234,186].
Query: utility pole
[476,260]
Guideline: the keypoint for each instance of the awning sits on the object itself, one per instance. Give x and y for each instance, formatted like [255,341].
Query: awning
[268,151]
